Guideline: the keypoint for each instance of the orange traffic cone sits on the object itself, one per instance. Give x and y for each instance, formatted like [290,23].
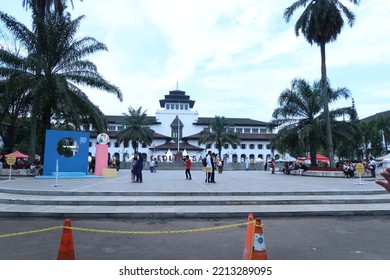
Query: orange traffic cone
[247,254]
[258,252]
[66,250]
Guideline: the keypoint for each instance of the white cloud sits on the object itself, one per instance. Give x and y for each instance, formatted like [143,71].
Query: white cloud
[232,57]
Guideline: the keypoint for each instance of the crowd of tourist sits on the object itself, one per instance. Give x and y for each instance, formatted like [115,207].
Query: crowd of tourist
[294,165]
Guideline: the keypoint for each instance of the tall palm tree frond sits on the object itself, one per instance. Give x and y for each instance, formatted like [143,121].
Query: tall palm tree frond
[137,128]
[300,118]
[321,22]
[219,133]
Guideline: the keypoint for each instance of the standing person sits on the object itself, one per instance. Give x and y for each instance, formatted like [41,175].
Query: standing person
[118,163]
[33,168]
[89,161]
[272,165]
[155,165]
[113,162]
[187,163]
[109,160]
[151,165]
[140,166]
[134,169]
[209,165]
[220,165]
[212,178]
[386,176]
[372,167]
[93,164]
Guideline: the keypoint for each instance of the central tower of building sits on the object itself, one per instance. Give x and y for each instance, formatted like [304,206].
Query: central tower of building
[176,109]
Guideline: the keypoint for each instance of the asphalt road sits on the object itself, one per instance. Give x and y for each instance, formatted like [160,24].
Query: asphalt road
[303,238]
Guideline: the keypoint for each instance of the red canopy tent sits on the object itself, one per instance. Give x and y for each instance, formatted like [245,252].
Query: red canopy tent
[17,154]
[319,157]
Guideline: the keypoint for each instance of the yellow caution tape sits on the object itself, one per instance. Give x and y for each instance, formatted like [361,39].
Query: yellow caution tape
[157,232]
[30,232]
[129,232]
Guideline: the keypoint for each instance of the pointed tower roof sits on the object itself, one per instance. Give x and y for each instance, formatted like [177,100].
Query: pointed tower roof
[177,96]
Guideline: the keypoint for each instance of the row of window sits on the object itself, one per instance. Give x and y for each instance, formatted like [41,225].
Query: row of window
[244,157]
[249,130]
[242,146]
[115,127]
[226,146]
[176,106]
[238,130]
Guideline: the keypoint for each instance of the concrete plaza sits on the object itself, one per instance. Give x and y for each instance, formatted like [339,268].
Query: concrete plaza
[166,194]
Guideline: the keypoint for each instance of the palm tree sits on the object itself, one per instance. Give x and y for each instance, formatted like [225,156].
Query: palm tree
[219,133]
[137,129]
[42,7]
[367,131]
[374,136]
[54,67]
[321,22]
[14,106]
[383,124]
[347,134]
[376,141]
[301,120]
[297,118]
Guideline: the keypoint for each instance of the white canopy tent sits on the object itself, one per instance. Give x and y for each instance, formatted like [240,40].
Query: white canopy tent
[287,158]
[169,153]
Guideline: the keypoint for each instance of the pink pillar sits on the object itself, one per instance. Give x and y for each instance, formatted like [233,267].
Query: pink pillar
[101,159]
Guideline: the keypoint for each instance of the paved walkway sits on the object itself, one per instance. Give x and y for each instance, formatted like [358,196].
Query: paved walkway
[168,194]
[168,181]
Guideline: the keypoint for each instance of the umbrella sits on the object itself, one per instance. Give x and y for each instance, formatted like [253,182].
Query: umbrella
[17,154]
[185,152]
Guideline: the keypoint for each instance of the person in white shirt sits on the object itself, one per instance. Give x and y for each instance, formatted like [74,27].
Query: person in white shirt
[209,164]
[372,166]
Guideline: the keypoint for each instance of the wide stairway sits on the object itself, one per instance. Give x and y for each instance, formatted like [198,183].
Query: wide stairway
[160,196]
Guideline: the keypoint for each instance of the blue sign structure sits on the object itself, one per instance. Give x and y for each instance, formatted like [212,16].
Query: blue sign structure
[74,156]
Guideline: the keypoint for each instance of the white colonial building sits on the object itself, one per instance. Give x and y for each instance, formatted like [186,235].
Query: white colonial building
[177,128]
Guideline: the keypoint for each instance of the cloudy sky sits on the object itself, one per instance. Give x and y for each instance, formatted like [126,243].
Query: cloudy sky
[232,57]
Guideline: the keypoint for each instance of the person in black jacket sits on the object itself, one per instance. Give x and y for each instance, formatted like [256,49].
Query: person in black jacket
[212,177]
[139,167]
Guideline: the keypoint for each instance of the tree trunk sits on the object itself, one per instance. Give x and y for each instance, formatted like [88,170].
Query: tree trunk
[313,156]
[385,141]
[366,152]
[46,124]
[328,130]
[33,133]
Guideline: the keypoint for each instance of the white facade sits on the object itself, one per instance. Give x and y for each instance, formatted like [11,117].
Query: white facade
[177,114]
[167,117]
